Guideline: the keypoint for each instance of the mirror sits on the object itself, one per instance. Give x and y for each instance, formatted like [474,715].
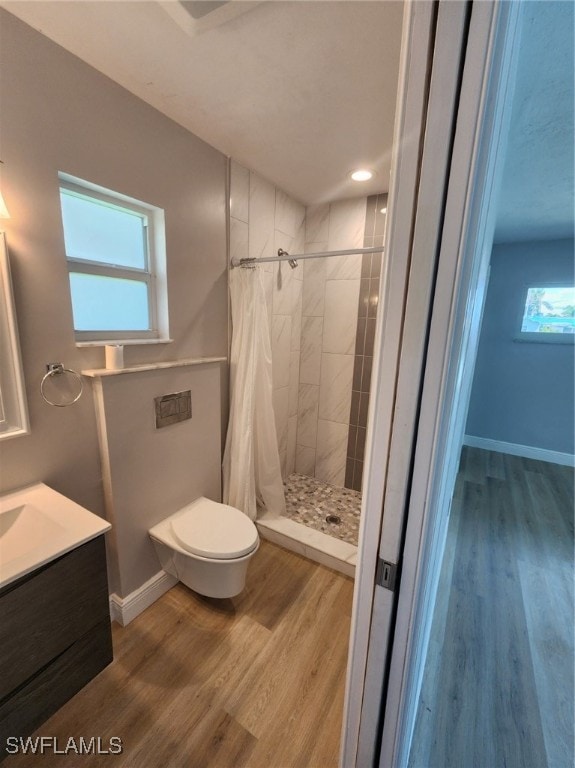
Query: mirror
[13,408]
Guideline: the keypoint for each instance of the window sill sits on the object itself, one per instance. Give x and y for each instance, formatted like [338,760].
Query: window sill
[122,342]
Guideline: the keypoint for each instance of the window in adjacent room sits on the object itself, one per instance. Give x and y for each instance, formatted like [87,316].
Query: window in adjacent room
[548,313]
[116,263]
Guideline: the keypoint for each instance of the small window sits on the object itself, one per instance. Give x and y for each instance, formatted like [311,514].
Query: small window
[548,314]
[112,252]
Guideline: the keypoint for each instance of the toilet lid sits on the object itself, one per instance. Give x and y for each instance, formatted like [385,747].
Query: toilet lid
[209,529]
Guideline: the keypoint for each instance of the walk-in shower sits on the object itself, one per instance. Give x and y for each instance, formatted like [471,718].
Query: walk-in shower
[321,267]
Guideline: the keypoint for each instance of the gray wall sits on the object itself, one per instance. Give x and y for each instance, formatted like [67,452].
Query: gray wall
[58,114]
[523,392]
[171,466]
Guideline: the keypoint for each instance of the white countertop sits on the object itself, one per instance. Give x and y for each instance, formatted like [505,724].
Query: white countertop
[38,525]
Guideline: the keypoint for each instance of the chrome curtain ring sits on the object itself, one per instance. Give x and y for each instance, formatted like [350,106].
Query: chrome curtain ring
[57,369]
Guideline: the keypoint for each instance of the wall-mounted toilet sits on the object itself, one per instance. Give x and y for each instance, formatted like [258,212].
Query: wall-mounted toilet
[207,546]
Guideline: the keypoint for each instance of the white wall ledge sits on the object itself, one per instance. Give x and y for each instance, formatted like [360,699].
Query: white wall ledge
[123,342]
[96,373]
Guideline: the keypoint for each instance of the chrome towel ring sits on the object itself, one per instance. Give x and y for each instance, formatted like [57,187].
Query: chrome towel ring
[57,369]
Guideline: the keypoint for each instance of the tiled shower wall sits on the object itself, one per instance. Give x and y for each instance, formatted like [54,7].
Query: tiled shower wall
[263,219]
[331,291]
[364,340]
[322,320]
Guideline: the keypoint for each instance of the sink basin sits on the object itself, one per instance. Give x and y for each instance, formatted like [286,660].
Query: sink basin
[37,525]
[23,528]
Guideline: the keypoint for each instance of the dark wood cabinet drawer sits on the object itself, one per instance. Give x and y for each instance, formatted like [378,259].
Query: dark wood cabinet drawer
[33,703]
[43,614]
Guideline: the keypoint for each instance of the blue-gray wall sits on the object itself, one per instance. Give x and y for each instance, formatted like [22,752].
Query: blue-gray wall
[523,393]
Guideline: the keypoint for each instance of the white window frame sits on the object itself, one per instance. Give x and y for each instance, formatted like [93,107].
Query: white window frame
[153,275]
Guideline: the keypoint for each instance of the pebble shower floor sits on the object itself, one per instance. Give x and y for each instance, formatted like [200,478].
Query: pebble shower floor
[309,502]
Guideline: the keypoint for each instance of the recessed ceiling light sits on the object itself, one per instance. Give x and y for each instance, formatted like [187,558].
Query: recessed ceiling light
[383,210]
[361,174]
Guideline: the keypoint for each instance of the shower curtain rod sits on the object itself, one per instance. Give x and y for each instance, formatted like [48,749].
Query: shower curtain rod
[293,258]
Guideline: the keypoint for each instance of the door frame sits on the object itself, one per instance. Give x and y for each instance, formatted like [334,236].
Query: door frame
[444,76]
[480,145]
[426,107]
[416,45]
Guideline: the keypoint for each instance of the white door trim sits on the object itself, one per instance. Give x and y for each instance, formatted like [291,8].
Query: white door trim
[451,24]
[468,231]
[409,121]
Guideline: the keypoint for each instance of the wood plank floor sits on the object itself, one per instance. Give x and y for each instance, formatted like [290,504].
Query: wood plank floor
[498,682]
[254,681]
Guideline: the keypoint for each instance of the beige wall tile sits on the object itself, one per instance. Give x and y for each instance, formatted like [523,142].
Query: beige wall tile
[311,344]
[335,387]
[340,321]
[239,191]
[331,452]
[308,404]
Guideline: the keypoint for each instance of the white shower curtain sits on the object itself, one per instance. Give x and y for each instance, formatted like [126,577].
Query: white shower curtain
[251,467]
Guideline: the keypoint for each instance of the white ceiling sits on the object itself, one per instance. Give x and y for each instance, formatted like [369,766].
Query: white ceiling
[301,92]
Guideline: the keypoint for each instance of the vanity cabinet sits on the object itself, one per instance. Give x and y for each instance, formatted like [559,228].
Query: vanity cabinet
[55,636]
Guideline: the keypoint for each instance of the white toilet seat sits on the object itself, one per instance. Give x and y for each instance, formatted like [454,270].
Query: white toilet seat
[212,530]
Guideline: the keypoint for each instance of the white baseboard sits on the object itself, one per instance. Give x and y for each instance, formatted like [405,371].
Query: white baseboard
[527,451]
[125,609]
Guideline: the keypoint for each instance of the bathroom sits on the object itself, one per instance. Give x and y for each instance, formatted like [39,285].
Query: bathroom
[61,116]
[313,653]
